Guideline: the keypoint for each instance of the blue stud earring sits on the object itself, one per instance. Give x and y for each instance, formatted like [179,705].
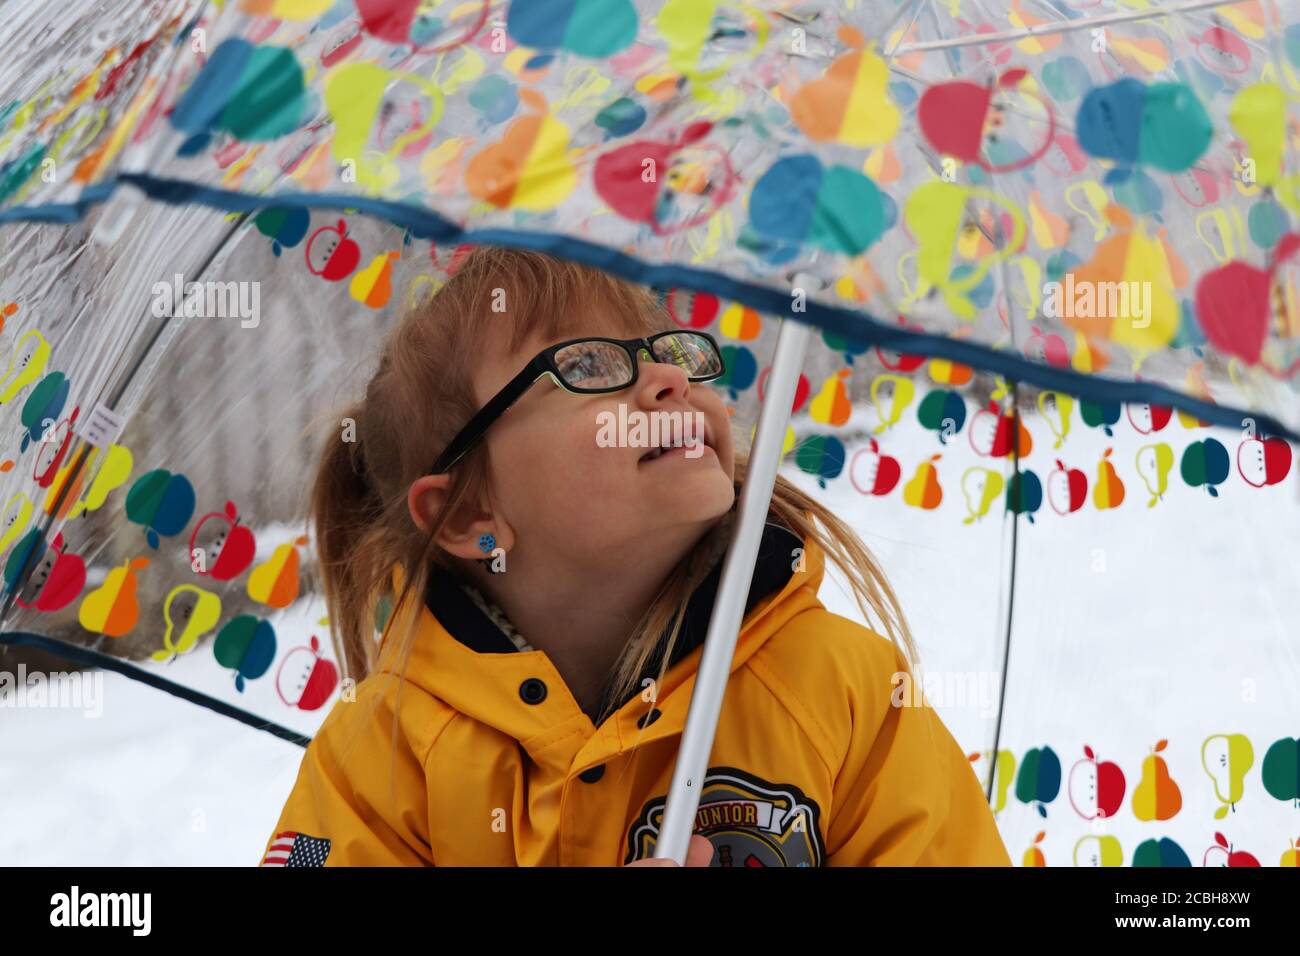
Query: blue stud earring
[486,544]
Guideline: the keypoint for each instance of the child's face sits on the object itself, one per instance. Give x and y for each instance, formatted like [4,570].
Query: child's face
[562,486]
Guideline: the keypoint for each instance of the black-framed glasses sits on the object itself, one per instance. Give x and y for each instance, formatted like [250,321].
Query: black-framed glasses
[588,366]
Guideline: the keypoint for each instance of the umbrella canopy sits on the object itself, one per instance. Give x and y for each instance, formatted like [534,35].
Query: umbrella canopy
[1049,252]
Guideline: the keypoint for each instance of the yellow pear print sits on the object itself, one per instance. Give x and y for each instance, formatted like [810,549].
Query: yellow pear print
[832,406]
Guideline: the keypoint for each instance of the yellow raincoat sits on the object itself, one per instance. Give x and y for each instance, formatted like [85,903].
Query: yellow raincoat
[495,764]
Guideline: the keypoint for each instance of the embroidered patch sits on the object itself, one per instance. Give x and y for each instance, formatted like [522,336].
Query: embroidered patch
[749,821]
[296,849]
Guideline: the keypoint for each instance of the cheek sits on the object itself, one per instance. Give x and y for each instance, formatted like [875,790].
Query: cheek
[557,456]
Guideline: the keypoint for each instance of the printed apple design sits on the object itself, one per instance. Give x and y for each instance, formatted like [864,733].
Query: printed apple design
[1162,852]
[692,310]
[49,454]
[1263,461]
[56,580]
[901,361]
[942,411]
[340,43]
[1146,418]
[1280,771]
[1224,855]
[305,679]
[1039,780]
[1096,788]
[1049,348]
[872,472]
[231,549]
[1205,464]
[409,22]
[992,430]
[246,645]
[1222,50]
[1157,796]
[620,179]
[958,119]
[1067,489]
[1235,302]
[331,254]
[802,389]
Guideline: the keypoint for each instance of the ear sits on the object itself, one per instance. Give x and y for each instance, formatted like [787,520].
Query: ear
[460,535]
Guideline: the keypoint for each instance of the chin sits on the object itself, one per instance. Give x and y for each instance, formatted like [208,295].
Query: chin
[704,495]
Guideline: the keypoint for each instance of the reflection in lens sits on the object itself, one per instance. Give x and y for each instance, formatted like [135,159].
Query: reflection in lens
[692,352]
[594,365]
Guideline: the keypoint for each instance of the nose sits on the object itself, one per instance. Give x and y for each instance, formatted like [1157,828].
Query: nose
[658,381]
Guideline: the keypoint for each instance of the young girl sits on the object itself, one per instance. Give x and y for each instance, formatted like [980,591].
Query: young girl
[550,595]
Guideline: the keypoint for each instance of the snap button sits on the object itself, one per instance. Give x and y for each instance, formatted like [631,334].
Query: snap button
[532,691]
[647,719]
[592,774]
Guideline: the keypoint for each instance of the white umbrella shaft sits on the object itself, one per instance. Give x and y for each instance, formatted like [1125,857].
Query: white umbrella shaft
[733,590]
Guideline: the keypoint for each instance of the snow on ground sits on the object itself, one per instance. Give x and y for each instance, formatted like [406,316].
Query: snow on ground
[1172,622]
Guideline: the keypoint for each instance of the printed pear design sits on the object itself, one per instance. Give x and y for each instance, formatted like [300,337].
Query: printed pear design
[274,582]
[1099,850]
[1291,857]
[1034,855]
[1226,758]
[1109,490]
[924,490]
[112,608]
[831,405]
[1156,796]
[373,285]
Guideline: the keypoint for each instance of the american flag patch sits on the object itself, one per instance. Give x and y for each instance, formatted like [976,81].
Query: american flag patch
[296,849]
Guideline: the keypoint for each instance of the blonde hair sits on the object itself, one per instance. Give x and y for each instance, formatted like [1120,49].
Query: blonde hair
[421,395]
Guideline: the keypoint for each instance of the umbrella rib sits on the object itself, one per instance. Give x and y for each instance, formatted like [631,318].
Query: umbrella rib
[1067,26]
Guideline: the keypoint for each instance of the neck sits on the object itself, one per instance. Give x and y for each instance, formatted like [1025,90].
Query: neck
[581,614]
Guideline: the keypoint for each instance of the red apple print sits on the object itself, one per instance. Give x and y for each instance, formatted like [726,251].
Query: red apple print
[1234,303]
[331,254]
[232,549]
[56,580]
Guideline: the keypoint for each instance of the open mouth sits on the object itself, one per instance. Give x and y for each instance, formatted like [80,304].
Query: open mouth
[676,447]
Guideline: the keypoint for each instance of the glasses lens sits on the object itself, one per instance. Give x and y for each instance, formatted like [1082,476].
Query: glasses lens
[693,352]
[594,365]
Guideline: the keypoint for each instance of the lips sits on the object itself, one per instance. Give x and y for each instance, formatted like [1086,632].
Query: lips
[674,447]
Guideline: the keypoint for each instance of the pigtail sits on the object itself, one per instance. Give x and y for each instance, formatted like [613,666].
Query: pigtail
[344,507]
